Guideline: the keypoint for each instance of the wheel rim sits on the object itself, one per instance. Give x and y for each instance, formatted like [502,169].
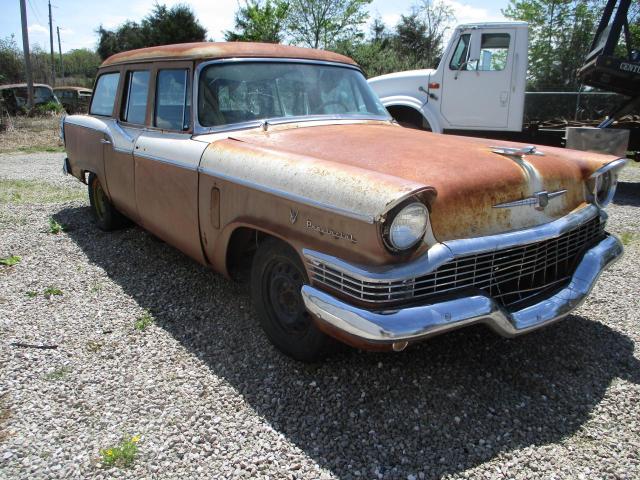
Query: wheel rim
[283,282]
[99,199]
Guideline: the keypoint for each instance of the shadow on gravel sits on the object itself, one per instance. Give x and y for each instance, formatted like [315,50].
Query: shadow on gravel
[439,408]
[627,193]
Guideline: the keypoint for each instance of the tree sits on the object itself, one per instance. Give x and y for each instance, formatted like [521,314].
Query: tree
[163,26]
[11,66]
[325,23]
[560,35]
[258,22]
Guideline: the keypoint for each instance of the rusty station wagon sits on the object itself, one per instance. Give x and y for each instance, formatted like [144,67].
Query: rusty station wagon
[357,228]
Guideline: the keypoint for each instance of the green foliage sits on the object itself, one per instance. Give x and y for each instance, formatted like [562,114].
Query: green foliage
[121,455]
[31,294]
[52,291]
[259,22]
[49,107]
[162,26]
[58,374]
[55,227]
[11,65]
[10,261]
[143,321]
[325,23]
[627,238]
[560,35]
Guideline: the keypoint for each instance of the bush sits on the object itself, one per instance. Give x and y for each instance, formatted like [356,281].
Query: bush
[48,108]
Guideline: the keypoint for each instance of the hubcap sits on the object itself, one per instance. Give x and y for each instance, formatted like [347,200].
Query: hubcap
[99,199]
[283,282]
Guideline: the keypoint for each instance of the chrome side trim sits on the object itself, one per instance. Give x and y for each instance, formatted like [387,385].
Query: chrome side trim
[167,161]
[417,323]
[287,195]
[444,252]
[614,165]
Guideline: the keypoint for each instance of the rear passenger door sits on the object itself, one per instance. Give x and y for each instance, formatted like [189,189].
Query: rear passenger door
[167,159]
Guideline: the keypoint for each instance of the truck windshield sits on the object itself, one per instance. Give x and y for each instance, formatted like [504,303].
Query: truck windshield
[245,92]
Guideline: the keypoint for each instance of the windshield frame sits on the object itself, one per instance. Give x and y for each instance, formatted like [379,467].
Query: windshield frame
[200,129]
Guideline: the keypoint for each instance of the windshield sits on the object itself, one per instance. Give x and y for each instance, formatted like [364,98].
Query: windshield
[231,93]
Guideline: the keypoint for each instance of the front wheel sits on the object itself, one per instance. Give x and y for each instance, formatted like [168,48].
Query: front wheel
[277,276]
[106,216]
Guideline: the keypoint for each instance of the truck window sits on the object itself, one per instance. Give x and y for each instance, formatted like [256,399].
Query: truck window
[105,94]
[135,98]
[494,50]
[460,53]
[173,100]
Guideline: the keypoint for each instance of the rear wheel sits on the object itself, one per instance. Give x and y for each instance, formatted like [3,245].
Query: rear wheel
[106,216]
[277,276]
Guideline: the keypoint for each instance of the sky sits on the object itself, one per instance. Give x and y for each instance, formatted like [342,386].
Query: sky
[78,19]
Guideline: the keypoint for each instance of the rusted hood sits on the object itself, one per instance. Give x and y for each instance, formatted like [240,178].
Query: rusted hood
[469,178]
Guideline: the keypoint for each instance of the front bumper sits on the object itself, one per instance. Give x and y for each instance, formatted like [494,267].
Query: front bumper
[404,325]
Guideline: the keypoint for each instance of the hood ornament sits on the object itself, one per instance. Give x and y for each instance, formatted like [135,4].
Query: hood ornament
[538,200]
[517,151]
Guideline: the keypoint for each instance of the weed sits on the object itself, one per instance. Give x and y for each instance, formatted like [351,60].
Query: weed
[55,227]
[96,287]
[10,261]
[121,455]
[51,291]
[36,191]
[31,294]
[58,374]
[143,321]
[94,346]
[627,238]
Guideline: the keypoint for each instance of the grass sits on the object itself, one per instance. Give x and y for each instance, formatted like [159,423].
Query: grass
[34,191]
[58,374]
[55,227]
[627,238]
[31,294]
[121,455]
[143,321]
[31,134]
[10,261]
[52,291]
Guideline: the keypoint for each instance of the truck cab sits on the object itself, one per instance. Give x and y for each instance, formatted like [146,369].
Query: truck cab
[479,83]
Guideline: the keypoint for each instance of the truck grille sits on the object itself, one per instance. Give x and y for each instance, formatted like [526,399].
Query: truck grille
[511,276]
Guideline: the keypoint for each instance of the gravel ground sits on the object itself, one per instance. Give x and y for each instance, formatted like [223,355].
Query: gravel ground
[210,398]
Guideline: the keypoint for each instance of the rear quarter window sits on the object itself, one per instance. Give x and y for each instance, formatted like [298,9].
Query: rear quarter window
[104,96]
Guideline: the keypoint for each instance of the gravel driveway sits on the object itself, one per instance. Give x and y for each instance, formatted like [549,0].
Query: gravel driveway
[210,398]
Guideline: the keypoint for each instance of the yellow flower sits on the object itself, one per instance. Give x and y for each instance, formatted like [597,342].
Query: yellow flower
[109,452]
[135,438]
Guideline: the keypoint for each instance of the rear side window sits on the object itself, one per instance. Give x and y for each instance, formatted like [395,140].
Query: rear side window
[173,100]
[105,94]
[135,99]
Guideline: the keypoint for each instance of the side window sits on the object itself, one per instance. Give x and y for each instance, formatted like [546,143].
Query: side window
[460,52]
[173,100]
[135,97]
[494,50]
[105,94]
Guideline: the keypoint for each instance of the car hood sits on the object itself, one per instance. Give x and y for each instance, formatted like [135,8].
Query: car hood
[469,179]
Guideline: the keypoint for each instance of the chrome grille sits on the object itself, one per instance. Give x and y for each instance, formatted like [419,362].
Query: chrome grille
[511,276]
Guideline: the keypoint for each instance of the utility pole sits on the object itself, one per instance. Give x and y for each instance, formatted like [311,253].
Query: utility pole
[60,52]
[53,64]
[27,53]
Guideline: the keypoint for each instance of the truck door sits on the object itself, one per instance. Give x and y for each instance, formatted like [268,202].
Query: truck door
[477,79]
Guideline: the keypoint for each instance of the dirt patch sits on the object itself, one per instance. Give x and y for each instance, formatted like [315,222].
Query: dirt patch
[31,134]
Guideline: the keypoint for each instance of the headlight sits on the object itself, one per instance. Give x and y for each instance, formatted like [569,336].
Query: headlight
[408,226]
[603,182]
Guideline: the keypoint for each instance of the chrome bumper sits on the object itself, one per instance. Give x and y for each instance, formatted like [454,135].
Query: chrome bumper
[416,323]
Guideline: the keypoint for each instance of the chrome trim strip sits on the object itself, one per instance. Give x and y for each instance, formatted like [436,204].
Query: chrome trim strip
[441,253]
[287,195]
[167,161]
[417,323]
[199,129]
[614,165]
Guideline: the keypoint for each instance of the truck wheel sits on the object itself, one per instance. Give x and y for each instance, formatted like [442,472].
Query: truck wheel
[106,216]
[277,275]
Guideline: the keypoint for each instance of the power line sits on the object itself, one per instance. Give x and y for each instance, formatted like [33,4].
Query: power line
[35,12]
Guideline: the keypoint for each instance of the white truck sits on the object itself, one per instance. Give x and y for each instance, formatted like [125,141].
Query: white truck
[479,83]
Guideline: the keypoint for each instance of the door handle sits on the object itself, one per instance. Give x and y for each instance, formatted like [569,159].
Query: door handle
[105,141]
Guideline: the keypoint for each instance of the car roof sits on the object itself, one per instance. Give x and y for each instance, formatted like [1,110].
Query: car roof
[80,89]
[219,50]
[24,85]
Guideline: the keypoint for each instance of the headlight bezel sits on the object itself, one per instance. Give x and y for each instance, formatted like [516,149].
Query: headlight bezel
[390,220]
[606,176]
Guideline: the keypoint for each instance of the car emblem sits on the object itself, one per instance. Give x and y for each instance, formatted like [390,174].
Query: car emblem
[293,215]
[538,200]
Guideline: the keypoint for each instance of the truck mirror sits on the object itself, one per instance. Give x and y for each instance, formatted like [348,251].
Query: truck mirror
[474,50]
